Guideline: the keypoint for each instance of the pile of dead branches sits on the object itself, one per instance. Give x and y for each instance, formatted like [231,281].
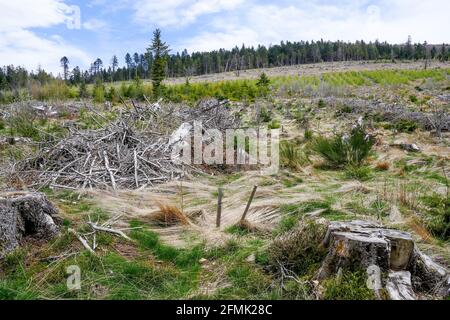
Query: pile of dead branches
[437,119]
[131,152]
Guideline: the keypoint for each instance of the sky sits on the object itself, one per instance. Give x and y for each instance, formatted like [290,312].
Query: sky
[37,33]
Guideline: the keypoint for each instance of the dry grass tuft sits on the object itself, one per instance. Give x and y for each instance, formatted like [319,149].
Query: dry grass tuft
[247,226]
[299,250]
[382,166]
[169,215]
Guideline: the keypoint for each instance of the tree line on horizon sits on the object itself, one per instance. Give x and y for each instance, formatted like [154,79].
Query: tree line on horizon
[158,63]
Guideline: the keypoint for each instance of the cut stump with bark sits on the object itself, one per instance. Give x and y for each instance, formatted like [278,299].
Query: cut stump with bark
[24,214]
[365,245]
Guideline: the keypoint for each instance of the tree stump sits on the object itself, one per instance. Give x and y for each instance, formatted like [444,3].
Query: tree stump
[25,215]
[365,245]
[399,286]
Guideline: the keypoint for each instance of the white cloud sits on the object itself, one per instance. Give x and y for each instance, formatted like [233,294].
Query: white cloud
[21,46]
[178,13]
[94,25]
[346,20]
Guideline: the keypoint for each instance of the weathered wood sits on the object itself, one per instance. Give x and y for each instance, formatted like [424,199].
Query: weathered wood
[108,230]
[219,208]
[25,214]
[249,203]
[136,170]
[399,286]
[82,240]
[113,180]
[365,245]
[121,153]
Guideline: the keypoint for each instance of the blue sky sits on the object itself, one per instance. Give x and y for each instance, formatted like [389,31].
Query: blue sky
[40,32]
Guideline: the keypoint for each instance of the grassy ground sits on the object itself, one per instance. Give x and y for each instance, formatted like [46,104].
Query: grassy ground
[400,189]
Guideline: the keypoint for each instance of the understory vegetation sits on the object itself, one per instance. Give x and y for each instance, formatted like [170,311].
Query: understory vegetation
[349,149]
[236,90]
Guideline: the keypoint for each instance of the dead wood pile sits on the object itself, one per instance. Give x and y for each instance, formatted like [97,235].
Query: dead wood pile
[131,152]
[438,119]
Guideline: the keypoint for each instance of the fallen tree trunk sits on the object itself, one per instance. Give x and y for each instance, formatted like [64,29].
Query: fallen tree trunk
[25,214]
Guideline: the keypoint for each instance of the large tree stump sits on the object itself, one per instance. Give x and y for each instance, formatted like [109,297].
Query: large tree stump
[25,214]
[365,245]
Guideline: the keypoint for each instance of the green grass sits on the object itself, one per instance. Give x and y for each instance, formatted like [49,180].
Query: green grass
[292,213]
[362,173]
[437,215]
[182,258]
[292,156]
[114,276]
[352,286]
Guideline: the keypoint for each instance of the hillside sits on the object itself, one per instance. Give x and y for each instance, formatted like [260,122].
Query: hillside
[358,142]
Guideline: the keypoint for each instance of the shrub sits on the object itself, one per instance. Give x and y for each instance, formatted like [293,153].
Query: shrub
[83,93]
[437,217]
[23,123]
[265,115]
[299,250]
[99,92]
[73,93]
[345,149]
[321,103]
[291,156]
[358,173]
[413,98]
[308,135]
[112,95]
[404,125]
[274,124]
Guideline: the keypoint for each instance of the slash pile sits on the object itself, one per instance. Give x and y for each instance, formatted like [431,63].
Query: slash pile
[131,152]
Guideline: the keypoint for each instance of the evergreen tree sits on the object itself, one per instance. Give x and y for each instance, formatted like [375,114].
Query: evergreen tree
[114,65]
[160,51]
[263,84]
[65,65]
[129,63]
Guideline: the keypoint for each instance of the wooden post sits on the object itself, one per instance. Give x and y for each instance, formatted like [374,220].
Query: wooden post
[249,203]
[219,207]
